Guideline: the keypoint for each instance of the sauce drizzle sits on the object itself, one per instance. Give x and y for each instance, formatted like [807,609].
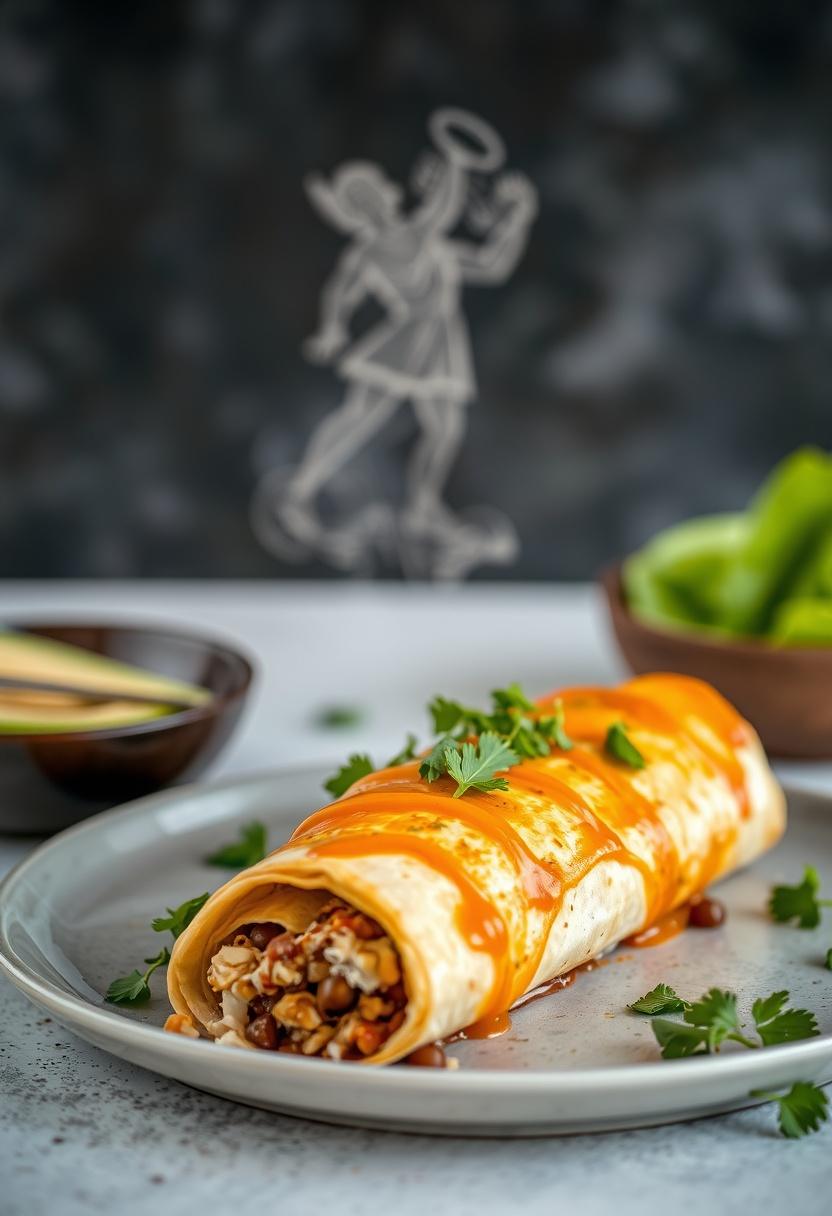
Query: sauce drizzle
[394,811]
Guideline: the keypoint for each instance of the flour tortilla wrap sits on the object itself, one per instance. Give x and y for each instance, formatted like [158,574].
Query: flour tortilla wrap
[489,895]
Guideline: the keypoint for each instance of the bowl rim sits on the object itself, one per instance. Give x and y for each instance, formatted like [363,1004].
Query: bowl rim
[610,578]
[214,708]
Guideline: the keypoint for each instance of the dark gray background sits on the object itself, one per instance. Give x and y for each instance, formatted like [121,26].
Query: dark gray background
[666,338]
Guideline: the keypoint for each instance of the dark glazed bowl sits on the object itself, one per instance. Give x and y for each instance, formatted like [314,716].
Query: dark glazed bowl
[48,781]
[784,692]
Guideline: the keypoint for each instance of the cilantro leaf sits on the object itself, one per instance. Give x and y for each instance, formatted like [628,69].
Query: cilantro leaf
[768,1007]
[445,714]
[179,918]
[512,697]
[828,962]
[339,717]
[435,763]
[526,740]
[475,766]
[408,752]
[716,1013]
[357,766]
[661,999]
[677,1039]
[360,765]
[776,1025]
[129,989]
[801,1109]
[620,746]
[800,902]
[553,730]
[513,718]
[713,1019]
[250,848]
[134,989]
[451,716]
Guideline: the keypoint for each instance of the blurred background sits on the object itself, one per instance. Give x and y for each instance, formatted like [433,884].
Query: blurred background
[664,340]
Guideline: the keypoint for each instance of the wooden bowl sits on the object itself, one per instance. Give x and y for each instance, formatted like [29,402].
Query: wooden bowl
[48,781]
[784,692]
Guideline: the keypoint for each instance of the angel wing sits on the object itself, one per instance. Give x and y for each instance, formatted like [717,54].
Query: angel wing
[326,202]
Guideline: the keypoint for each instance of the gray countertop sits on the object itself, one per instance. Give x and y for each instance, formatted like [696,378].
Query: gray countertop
[82,1132]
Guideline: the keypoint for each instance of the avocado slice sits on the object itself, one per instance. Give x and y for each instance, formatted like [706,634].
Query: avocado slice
[55,713]
[27,656]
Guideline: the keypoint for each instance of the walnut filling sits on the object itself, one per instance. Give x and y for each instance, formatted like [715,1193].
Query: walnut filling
[333,990]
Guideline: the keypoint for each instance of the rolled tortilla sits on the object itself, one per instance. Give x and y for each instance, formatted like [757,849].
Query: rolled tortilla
[488,895]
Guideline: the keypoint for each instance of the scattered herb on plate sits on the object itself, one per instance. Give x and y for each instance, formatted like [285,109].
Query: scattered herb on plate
[661,999]
[799,903]
[713,1020]
[134,989]
[339,717]
[249,849]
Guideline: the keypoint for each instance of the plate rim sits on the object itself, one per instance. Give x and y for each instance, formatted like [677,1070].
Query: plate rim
[662,1074]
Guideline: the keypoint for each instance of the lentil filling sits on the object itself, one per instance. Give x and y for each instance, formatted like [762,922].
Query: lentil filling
[333,990]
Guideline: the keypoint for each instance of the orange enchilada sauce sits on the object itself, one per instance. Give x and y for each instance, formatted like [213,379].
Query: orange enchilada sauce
[370,817]
[686,696]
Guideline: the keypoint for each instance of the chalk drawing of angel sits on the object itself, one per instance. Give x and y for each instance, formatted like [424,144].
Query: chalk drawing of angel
[418,353]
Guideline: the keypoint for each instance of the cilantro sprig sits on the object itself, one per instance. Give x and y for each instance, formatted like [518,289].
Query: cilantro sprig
[408,752]
[357,766]
[714,1020]
[800,1110]
[134,989]
[473,746]
[661,999]
[249,849]
[178,919]
[475,767]
[799,903]
[514,730]
[513,717]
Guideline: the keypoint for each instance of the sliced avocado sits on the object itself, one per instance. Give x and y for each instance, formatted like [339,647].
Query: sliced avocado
[42,713]
[27,656]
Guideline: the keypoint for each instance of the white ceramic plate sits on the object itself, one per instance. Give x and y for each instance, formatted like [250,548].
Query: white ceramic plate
[76,913]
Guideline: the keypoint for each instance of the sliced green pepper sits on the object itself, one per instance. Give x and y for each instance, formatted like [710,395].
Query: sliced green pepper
[788,519]
[803,622]
[671,581]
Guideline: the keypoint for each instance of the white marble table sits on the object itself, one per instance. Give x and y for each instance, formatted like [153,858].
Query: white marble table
[83,1133]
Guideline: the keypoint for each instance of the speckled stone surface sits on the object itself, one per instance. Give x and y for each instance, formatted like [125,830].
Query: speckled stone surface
[81,1132]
